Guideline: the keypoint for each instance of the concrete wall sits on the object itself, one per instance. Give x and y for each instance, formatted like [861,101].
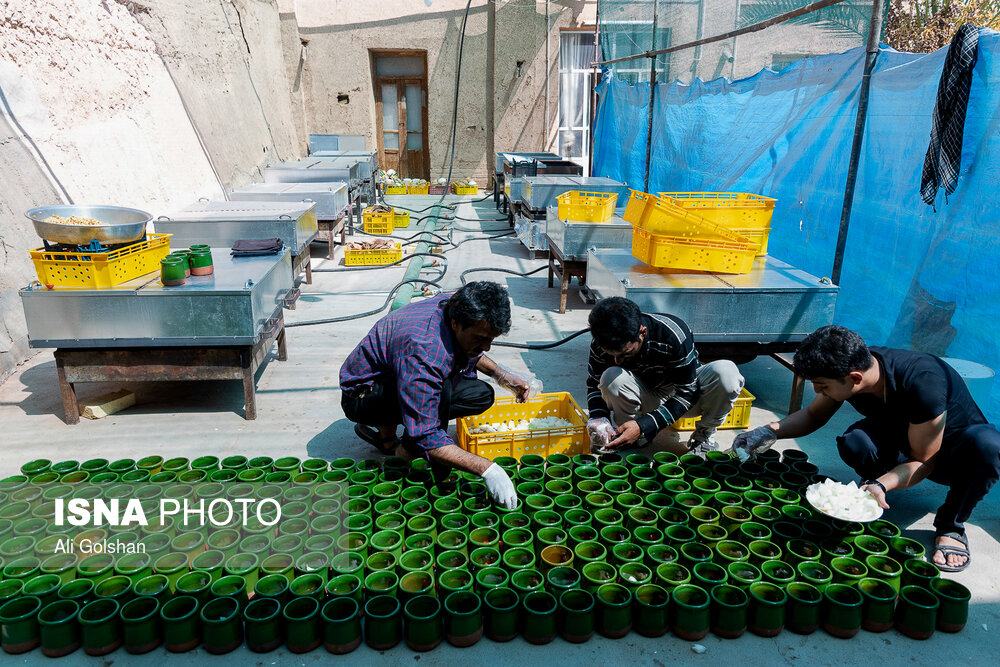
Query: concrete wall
[119,125]
[341,33]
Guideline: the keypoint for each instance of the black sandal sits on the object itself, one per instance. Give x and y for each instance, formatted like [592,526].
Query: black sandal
[950,550]
[370,435]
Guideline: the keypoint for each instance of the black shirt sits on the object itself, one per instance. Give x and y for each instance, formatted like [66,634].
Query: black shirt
[918,388]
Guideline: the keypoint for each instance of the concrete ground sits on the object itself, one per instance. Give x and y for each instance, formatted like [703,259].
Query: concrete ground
[299,414]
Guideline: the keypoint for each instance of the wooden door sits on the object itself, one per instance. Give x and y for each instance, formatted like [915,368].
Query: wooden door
[401,112]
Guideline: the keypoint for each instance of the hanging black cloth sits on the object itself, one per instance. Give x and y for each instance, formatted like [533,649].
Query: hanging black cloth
[944,153]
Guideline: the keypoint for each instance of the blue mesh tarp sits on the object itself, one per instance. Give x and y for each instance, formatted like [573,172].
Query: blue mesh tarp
[913,277]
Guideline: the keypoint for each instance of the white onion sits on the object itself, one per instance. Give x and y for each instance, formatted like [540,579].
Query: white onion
[843,501]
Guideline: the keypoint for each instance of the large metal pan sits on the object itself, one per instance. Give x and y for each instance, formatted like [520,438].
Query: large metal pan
[121,225]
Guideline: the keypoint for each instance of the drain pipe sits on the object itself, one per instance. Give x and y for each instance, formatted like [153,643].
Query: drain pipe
[417,264]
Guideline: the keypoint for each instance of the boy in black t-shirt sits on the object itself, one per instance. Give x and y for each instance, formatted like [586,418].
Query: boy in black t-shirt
[919,421]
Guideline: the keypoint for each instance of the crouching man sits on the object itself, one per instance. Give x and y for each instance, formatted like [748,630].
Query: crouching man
[417,367]
[645,374]
[919,421]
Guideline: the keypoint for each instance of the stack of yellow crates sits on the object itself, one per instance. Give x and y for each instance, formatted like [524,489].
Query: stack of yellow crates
[699,231]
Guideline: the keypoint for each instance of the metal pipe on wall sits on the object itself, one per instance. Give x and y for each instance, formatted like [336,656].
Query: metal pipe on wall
[548,68]
[491,38]
[871,55]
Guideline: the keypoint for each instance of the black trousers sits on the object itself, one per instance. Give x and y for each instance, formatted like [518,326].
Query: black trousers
[968,464]
[379,405]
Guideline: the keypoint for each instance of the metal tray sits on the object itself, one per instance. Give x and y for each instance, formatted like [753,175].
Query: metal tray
[221,223]
[330,198]
[122,225]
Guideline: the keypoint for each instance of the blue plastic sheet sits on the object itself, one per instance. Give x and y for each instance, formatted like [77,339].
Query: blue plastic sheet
[913,277]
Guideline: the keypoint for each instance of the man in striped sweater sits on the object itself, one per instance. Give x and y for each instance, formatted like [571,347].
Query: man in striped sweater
[644,374]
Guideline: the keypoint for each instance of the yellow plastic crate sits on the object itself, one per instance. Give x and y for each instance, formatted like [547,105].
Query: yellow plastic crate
[395,190]
[637,209]
[418,189]
[401,218]
[666,219]
[376,222]
[99,270]
[738,417]
[744,213]
[374,257]
[465,189]
[569,440]
[675,252]
[586,206]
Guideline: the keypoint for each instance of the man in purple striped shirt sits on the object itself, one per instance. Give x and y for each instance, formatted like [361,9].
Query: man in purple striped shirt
[417,367]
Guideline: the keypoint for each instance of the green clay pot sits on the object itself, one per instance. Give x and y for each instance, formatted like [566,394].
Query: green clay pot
[614,610]
[709,575]
[155,585]
[195,584]
[815,573]
[423,629]
[690,617]
[341,618]
[669,575]
[383,622]
[180,625]
[877,606]
[413,584]
[650,612]
[577,618]
[848,570]
[804,610]
[539,617]
[728,611]
[917,612]
[501,614]
[842,610]
[302,626]
[463,619]
[766,613]
[222,626]
[904,549]
[919,573]
[43,586]
[953,599]
[885,568]
[19,632]
[59,628]
[141,625]
[100,627]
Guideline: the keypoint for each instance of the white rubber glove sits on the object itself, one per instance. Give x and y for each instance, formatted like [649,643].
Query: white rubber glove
[749,444]
[523,387]
[601,432]
[500,487]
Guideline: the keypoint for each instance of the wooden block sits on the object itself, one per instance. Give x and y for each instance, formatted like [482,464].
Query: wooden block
[108,404]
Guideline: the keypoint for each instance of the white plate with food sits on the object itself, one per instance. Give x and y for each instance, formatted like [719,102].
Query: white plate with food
[843,501]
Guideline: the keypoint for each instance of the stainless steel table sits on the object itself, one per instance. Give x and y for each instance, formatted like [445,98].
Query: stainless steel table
[213,327]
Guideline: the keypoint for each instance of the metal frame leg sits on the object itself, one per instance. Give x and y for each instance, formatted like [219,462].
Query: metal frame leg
[249,387]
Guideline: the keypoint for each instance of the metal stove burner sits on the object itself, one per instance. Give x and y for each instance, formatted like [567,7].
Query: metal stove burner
[94,246]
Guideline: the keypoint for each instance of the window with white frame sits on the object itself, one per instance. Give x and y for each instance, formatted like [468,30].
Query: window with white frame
[576,52]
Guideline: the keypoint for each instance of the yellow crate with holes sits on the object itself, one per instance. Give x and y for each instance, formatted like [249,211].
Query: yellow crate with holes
[638,206]
[738,417]
[378,222]
[687,254]
[418,189]
[100,270]
[580,206]
[744,213]
[400,218]
[568,440]
[395,190]
[372,257]
[459,189]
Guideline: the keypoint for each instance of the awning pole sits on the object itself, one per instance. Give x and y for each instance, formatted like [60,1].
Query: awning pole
[874,31]
[652,92]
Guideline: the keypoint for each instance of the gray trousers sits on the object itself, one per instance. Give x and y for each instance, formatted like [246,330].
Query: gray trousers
[719,385]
